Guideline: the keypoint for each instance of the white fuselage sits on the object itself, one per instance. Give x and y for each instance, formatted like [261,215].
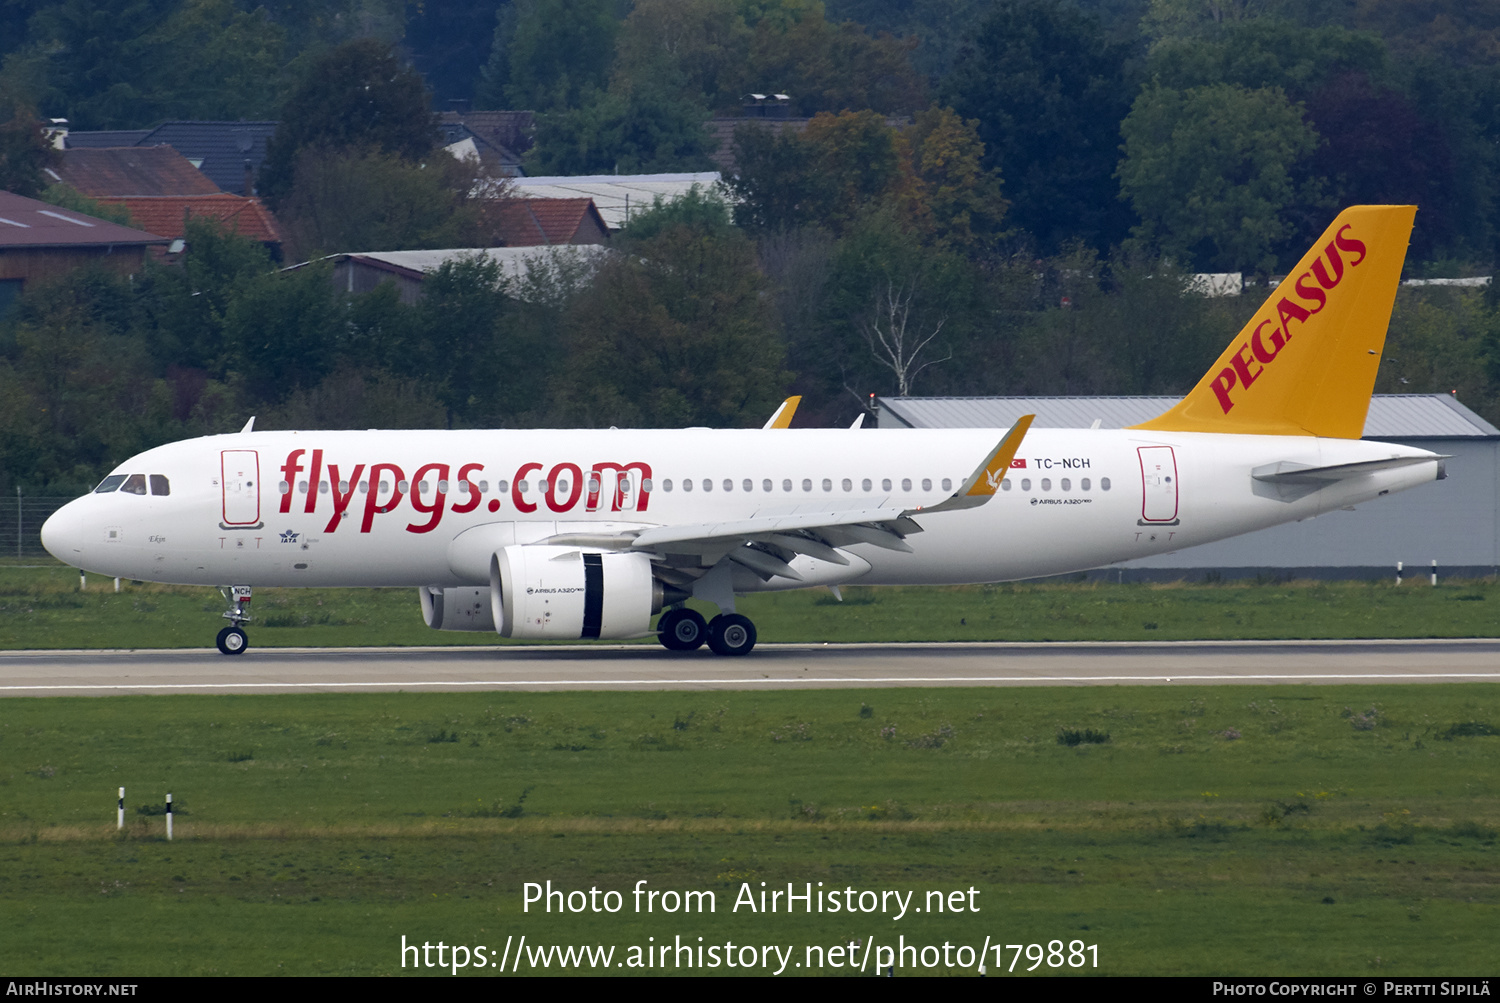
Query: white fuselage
[296,508]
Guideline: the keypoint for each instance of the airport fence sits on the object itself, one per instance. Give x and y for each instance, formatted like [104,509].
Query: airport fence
[21,521]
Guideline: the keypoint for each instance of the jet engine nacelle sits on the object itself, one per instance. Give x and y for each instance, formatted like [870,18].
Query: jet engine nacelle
[545,591]
[464,608]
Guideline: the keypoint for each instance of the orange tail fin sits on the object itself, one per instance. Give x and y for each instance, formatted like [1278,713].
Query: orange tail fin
[1306,362]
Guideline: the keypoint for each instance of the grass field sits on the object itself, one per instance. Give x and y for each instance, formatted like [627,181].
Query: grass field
[1223,830]
[44,608]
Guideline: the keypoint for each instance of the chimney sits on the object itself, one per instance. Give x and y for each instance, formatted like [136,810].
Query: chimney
[56,131]
[249,180]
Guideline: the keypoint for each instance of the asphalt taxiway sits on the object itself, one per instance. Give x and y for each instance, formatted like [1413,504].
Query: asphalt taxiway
[770,666]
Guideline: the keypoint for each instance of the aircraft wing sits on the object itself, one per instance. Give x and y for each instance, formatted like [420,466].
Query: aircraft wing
[766,542]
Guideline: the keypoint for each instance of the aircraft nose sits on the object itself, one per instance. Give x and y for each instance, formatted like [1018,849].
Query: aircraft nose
[63,533]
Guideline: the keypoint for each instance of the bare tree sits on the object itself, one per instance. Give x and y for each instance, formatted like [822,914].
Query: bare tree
[896,333]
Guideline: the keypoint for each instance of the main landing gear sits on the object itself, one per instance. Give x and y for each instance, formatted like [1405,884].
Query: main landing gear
[232,640]
[683,629]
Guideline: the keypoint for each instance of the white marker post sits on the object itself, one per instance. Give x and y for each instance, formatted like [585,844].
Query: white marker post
[1399,565]
[120,818]
[1434,574]
[169,818]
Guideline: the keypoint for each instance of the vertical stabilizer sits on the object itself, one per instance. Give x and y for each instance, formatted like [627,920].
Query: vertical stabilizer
[1305,363]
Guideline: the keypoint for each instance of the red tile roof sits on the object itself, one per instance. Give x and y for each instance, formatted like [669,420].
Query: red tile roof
[26,222]
[166,214]
[141,170]
[532,222]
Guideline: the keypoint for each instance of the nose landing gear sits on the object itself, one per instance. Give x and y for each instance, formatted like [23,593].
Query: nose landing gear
[232,639]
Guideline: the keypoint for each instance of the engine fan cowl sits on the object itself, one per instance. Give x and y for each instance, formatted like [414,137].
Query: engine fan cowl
[555,592]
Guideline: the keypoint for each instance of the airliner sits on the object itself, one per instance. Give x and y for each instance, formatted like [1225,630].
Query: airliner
[585,534]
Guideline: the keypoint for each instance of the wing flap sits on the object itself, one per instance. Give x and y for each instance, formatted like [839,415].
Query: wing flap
[663,536]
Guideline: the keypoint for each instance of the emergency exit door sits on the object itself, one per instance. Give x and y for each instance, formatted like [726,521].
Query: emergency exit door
[1159,492]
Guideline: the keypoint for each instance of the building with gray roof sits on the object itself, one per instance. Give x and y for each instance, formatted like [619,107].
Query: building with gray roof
[1455,522]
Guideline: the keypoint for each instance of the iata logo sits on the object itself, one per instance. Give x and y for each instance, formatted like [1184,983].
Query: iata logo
[1272,335]
[610,486]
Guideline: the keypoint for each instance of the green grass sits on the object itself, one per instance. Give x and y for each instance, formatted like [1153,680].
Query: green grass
[1213,830]
[44,608]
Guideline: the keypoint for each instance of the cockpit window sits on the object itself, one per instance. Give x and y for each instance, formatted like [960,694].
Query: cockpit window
[134,484]
[110,483]
[159,485]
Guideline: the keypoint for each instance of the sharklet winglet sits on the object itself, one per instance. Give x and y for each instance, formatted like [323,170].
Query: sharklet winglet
[982,484]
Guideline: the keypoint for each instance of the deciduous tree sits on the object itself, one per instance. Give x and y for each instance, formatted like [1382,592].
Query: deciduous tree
[1049,91]
[358,96]
[1211,172]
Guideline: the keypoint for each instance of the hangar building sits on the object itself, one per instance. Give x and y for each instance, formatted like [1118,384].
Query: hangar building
[1455,522]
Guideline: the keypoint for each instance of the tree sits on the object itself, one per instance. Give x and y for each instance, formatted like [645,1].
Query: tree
[1378,149]
[646,131]
[358,96]
[777,185]
[1267,53]
[133,63]
[184,307]
[701,209]
[678,332]
[550,54]
[958,196]
[825,176]
[366,200]
[1048,91]
[25,152]
[892,309]
[828,67]
[1210,171]
[694,48]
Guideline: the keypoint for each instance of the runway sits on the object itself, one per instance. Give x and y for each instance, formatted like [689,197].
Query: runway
[770,666]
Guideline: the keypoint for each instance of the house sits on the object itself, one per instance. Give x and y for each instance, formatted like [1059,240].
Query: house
[131,170]
[40,241]
[229,153]
[167,215]
[616,196]
[360,273]
[533,222]
[498,138]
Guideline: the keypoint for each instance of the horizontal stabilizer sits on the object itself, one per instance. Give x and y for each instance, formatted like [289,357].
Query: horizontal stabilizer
[1288,472]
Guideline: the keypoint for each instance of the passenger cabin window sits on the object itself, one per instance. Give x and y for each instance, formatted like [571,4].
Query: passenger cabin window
[110,483]
[134,484]
[159,485]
